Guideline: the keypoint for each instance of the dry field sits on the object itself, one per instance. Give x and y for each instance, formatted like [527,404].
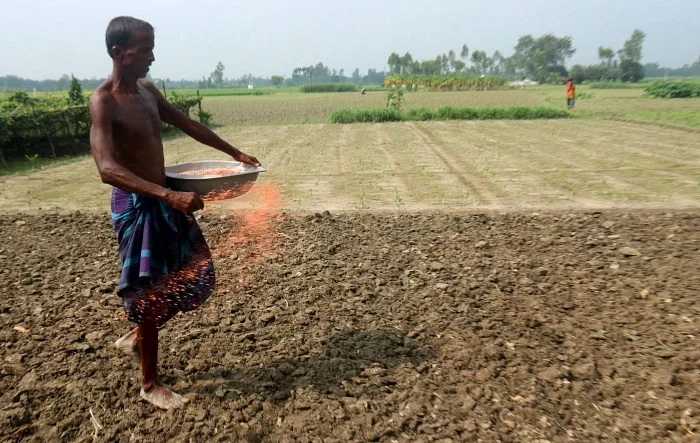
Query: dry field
[574,164]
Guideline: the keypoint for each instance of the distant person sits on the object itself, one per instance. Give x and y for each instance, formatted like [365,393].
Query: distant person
[570,93]
[166,264]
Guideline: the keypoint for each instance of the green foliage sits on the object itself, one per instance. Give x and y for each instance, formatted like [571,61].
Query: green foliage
[377,115]
[217,77]
[204,117]
[276,80]
[632,49]
[49,126]
[327,87]
[223,92]
[631,71]
[394,99]
[453,82]
[75,92]
[182,103]
[54,125]
[32,159]
[446,113]
[596,73]
[373,88]
[185,104]
[585,95]
[672,89]
[419,114]
[614,85]
[539,57]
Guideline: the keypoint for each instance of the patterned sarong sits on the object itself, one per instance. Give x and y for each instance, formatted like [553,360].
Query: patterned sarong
[166,263]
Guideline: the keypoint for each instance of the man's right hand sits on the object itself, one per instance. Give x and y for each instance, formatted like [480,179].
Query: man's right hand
[187,202]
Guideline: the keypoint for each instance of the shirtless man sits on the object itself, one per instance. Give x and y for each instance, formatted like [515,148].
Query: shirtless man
[166,263]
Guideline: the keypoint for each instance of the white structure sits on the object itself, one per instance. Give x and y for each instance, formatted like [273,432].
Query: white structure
[522,83]
[251,87]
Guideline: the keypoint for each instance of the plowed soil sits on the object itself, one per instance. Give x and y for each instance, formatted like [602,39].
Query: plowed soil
[360,327]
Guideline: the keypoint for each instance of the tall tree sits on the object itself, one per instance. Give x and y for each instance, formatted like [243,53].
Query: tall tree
[481,61]
[217,77]
[465,52]
[632,49]
[75,92]
[540,57]
[631,71]
[407,63]
[444,64]
[356,76]
[606,55]
[497,63]
[631,68]
[452,57]
[276,80]
[395,63]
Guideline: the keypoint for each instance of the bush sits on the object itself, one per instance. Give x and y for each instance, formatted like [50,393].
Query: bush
[631,71]
[672,89]
[449,82]
[50,126]
[346,116]
[327,87]
[53,126]
[182,103]
[614,85]
[379,115]
[420,114]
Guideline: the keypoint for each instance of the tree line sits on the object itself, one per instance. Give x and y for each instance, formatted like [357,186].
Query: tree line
[538,58]
[541,58]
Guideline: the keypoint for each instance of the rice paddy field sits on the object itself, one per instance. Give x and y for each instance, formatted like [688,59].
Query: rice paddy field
[618,150]
[435,281]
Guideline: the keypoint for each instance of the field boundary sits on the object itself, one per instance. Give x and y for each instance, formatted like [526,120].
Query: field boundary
[659,123]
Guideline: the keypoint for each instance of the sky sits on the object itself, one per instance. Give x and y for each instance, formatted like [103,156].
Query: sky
[48,38]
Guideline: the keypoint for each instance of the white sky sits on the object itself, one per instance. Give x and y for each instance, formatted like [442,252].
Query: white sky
[47,38]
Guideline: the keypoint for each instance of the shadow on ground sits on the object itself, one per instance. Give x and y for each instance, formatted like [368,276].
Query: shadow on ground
[345,356]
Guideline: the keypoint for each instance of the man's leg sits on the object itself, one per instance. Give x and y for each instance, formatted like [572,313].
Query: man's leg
[129,345]
[152,391]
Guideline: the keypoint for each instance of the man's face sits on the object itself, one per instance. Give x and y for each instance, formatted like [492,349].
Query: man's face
[137,58]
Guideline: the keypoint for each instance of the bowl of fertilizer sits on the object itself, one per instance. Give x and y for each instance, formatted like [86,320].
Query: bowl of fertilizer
[213,179]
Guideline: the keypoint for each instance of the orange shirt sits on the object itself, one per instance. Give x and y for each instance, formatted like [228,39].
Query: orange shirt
[570,90]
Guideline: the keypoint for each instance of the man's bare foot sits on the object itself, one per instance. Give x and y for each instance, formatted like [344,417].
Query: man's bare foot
[129,346]
[163,397]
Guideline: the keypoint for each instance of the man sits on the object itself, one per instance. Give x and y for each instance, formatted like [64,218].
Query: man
[570,93]
[166,263]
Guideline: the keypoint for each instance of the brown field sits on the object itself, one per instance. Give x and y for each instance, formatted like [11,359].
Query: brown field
[408,328]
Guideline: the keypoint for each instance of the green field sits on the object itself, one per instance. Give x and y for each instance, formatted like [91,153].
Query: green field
[291,107]
[620,150]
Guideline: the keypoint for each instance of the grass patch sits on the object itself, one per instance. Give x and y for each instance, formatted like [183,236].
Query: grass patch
[688,118]
[673,89]
[616,85]
[21,166]
[235,92]
[327,87]
[374,88]
[345,116]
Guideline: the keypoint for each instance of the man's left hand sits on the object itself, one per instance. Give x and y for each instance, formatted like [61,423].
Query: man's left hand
[249,159]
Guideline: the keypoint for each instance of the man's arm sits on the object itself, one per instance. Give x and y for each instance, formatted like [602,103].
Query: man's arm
[169,114]
[102,109]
